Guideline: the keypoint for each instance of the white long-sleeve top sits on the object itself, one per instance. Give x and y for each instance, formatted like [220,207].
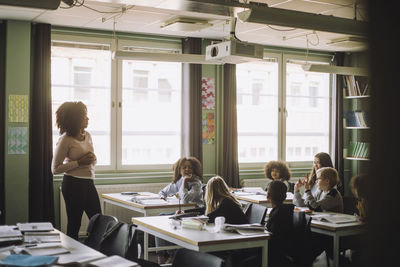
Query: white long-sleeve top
[192,194]
[68,151]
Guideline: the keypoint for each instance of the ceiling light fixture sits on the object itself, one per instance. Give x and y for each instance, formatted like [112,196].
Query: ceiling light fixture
[303,20]
[186,24]
[167,57]
[335,69]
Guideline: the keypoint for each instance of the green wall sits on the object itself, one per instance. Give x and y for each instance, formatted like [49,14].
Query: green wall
[18,53]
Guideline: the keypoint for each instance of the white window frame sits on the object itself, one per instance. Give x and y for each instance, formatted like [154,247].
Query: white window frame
[116,93]
[281,60]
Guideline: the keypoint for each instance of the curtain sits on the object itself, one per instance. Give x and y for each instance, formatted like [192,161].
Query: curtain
[337,97]
[191,102]
[230,165]
[41,199]
[2,115]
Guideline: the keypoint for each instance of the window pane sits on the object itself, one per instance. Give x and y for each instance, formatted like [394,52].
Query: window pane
[308,106]
[257,111]
[151,112]
[83,74]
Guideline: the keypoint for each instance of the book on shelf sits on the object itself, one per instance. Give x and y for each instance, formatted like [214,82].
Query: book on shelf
[359,149]
[355,118]
[355,85]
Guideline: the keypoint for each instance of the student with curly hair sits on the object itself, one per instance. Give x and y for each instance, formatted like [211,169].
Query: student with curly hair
[187,185]
[186,182]
[74,156]
[278,171]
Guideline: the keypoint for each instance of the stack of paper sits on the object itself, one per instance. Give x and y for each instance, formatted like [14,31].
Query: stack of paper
[114,261]
[140,198]
[42,237]
[35,227]
[10,236]
[46,249]
[335,218]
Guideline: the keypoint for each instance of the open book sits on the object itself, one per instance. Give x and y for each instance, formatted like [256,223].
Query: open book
[335,218]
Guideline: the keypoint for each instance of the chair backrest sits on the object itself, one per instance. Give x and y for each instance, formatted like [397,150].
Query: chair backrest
[98,225]
[256,213]
[349,205]
[301,251]
[186,257]
[120,240]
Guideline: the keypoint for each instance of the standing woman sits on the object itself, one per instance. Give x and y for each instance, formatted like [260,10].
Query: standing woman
[74,156]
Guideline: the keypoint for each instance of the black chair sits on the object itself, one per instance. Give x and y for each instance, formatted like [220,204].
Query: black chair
[186,257]
[121,240]
[255,213]
[349,205]
[301,253]
[98,225]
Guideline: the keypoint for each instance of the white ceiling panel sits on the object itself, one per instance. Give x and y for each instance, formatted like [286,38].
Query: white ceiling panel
[148,16]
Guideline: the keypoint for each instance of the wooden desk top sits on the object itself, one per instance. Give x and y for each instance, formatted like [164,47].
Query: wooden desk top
[126,199]
[164,225]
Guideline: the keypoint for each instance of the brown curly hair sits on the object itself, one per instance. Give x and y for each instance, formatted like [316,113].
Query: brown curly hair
[196,165]
[70,117]
[281,166]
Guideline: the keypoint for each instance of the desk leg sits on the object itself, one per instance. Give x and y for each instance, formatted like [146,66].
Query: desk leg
[265,254]
[335,251]
[146,246]
[104,207]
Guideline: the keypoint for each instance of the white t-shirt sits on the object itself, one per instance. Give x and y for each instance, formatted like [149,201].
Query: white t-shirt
[67,153]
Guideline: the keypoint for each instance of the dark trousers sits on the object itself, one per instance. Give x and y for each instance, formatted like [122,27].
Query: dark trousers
[80,196]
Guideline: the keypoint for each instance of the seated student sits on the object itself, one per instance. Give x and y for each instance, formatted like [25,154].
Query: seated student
[359,187]
[321,160]
[220,202]
[326,198]
[278,171]
[186,184]
[280,224]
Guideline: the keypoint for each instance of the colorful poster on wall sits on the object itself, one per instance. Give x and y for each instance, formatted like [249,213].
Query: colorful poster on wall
[18,108]
[208,128]
[17,140]
[207,93]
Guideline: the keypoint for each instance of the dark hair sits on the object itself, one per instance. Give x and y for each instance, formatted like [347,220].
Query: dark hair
[277,191]
[196,165]
[284,172]
[359,186]
[325,161]
[70,117]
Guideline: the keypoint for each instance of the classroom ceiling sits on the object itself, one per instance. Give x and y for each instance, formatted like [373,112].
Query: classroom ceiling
[208,19]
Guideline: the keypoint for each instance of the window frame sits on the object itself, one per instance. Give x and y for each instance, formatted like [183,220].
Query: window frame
[167,45]
[281,60]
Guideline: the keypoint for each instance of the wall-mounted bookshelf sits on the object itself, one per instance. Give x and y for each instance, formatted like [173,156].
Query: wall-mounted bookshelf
[356,125]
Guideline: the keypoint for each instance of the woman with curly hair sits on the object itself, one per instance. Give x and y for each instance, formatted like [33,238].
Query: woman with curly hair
[278,171]
[74,156]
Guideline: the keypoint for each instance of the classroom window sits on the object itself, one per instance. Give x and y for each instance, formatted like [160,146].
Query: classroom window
[274,122]
[134,107]
[257,111]
[84,74]
[151,124]
[308,115]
